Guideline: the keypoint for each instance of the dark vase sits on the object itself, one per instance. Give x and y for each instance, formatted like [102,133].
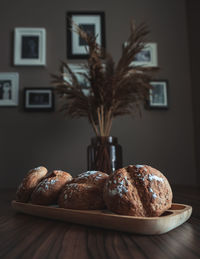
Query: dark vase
[104,154]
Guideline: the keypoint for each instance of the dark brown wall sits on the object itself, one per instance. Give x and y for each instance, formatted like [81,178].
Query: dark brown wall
[163,139]
[193,10]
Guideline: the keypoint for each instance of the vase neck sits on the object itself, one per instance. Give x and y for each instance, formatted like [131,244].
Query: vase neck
[108,139]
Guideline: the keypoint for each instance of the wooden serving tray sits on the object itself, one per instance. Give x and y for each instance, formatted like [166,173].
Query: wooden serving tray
[172,218]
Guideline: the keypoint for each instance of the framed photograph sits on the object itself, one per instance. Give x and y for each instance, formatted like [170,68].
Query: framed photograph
[158,95]
[92,23]
[79,71]
[9,89]
[30,46]
[38,99]
[147,57]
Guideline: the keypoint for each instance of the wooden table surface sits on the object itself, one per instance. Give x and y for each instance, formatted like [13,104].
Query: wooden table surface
[24,236]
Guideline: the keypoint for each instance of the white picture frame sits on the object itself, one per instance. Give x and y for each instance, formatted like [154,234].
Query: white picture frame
[158,95]
[9,89]
[78,69]
[148,57]
[29,47]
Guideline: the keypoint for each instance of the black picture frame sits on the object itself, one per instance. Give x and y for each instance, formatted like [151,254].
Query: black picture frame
[39,99]
[94,22]
[159,95]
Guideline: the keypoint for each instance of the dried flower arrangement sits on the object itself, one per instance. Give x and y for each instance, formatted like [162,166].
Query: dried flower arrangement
[115,89]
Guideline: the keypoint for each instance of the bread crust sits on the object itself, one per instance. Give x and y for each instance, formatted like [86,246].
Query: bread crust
[30,181]
[85,192]
[47,191]
[138,190]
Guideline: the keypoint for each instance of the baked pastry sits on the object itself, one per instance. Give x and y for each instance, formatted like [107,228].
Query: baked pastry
[85,192]
[138,190]
[30,181]
[47,191]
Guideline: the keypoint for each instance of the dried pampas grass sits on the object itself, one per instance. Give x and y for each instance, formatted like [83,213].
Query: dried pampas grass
[115,89]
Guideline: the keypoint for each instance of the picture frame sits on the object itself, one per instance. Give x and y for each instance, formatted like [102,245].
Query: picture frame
[93,22]
[9,88]
[148,57]
[39,99]
[158,95]
[79,70]
[29,47]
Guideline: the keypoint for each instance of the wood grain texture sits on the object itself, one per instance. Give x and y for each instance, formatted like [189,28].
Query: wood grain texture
[23,236]
[171,219]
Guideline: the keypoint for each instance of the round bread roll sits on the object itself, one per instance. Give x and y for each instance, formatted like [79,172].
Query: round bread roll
[138,190]
[47,191]
[30,181]
[91,177]
[81,196]
[84,192]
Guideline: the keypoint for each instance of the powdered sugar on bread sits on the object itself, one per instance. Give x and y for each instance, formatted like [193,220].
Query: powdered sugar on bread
[137,190]
[84,192]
